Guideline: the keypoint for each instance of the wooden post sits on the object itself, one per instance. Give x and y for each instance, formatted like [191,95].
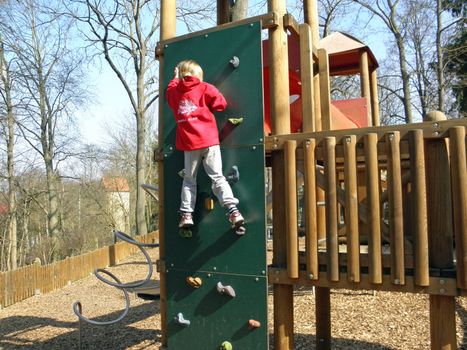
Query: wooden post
[396,219]
[374,218]
[290,176]
[311,243]
[332,245]
[365,82]
[323,318]
[167,31]
[223,11]
[443,322]
[374,97]
[280,124]
[311,18]
[351,208]
[419,208]
[440,239]
[459,191]
[306,72]
[325,89]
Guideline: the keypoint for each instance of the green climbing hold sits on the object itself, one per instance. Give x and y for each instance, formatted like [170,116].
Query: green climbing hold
[226,346]
[185,233]
[236,121]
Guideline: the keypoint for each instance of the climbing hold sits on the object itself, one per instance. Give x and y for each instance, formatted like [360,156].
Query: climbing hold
[252,324]
[235,62]
[226,346]
[181,320]
[195,282]
[234,175]
[185,232]
[235,121]
[209,203]
[221,289]
[239,230]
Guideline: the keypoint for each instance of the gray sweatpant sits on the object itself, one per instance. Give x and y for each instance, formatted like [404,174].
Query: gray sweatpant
[212,162]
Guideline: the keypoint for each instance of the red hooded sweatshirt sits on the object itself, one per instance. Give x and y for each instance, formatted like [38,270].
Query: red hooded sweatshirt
[192,102]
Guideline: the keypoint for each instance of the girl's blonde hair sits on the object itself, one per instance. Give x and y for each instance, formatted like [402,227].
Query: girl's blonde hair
[190,67]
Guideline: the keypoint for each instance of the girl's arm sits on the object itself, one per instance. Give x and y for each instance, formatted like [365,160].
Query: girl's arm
[214,99]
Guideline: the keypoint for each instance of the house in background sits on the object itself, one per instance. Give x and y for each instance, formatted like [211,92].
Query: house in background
[118,202]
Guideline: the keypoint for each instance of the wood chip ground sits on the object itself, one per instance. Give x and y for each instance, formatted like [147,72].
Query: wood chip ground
[360,319]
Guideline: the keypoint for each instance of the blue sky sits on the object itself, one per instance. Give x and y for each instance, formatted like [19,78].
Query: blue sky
[112,106]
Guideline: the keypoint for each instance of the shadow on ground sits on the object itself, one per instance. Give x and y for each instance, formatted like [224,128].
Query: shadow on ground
[122,335]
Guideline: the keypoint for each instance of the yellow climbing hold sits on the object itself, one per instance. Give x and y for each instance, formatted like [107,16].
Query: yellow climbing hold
[226,346]
[236,121]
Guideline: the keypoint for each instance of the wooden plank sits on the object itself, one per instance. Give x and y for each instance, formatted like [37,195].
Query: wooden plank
[373,206]
[291,208]
[419,207]
[459,196]
[437,285]
[311,230]
[396,219]
[331,210]
[430,130]
[306,78]
[325,89]
[351,210]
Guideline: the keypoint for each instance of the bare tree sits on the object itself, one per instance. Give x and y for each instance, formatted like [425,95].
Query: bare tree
[124,33]
[387,12]
[6,82]
[50,79]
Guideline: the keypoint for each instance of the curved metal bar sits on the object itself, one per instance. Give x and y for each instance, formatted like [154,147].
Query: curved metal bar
[77,306]
[126,238]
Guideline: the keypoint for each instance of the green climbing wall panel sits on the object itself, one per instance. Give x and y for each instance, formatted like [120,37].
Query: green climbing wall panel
[215,317]
[214,252]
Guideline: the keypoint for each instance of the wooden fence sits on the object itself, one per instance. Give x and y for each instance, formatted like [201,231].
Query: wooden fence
[30,280]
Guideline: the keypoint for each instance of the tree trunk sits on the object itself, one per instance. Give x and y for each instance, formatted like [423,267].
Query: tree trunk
[141,226]
[405,79]
[10,141]
[239,10]
[440,61]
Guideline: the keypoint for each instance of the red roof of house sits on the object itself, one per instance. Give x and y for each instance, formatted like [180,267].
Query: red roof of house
[115,184]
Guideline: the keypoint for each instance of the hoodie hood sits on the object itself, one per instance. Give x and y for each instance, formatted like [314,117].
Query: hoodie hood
[187,83]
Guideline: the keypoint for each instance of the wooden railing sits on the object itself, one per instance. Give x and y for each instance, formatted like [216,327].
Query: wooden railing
[396,208]
[30,280]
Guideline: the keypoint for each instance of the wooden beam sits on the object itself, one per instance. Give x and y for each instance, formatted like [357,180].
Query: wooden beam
[419,207]
[373,208]
[311,230]
[459,194]
[374,98]
[290,176]
[394,192]
[351,210]
[365,82]
[430,130]
[331,209]
[325,89]
[306,78]
[167,30]
[437,285]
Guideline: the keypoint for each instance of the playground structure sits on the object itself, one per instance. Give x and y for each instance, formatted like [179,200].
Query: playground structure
[395,197]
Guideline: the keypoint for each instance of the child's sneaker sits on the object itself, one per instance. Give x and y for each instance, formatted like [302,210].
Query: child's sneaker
[236,219]
[186,220]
